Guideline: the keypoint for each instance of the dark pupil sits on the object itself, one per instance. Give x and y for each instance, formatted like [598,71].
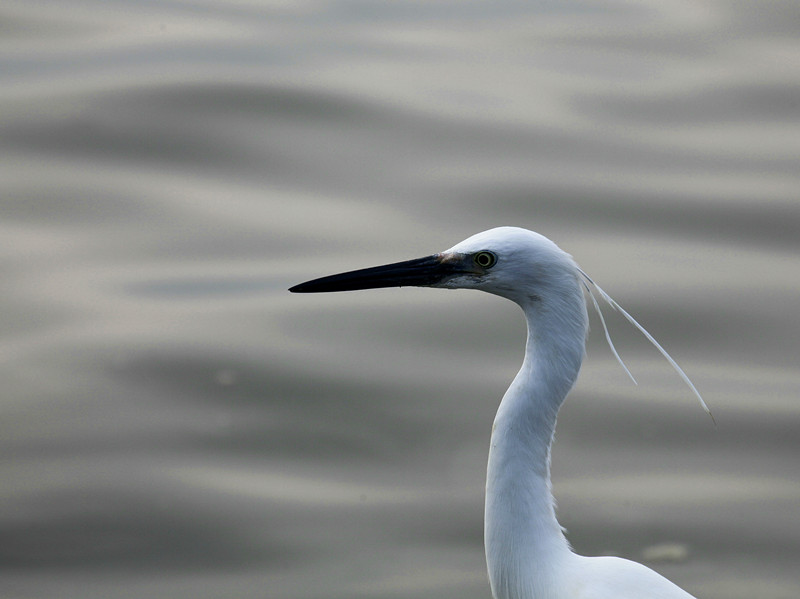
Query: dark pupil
[484,259]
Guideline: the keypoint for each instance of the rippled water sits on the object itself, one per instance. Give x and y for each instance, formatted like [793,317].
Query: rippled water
[175,424]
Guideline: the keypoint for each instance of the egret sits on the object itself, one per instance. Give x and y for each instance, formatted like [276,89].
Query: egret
[527,554]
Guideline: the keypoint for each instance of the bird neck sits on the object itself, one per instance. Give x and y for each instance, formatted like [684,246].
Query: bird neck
[524,541]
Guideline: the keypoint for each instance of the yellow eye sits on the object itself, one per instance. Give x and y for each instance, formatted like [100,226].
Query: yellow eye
[485,259]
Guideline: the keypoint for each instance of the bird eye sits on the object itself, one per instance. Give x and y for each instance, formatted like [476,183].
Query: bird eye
[485,259]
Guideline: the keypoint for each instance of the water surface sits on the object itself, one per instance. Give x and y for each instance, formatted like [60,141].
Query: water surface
[175,424]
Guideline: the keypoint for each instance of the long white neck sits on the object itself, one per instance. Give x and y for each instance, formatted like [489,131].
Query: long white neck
[525,544]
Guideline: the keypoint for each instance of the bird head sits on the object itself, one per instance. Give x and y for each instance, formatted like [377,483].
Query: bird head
[511,262]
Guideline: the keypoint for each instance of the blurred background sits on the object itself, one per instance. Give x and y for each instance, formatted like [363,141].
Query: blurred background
[175,424]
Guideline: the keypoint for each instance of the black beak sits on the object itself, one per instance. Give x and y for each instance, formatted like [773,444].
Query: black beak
[421,272]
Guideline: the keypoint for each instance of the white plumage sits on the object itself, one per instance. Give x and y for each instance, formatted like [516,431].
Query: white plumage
[527,555]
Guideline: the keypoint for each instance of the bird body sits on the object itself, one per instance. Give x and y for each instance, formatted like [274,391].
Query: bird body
[527,554]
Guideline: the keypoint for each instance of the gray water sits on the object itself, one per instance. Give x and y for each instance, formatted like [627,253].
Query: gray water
[175,424]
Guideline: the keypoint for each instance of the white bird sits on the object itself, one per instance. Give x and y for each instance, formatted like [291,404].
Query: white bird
[527,555]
